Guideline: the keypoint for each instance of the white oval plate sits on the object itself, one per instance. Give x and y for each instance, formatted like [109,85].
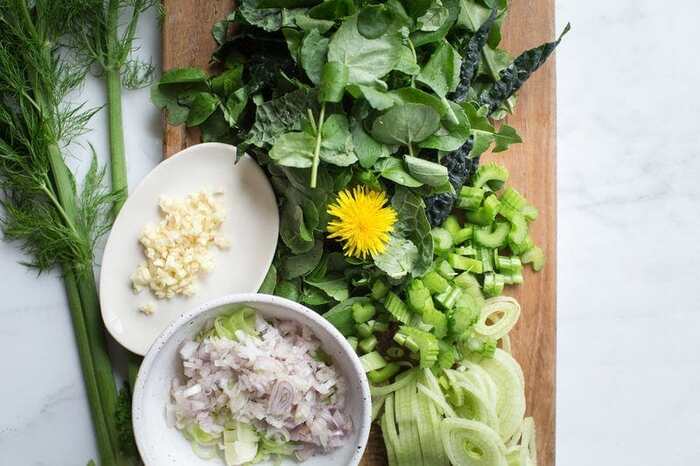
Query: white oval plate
[251,226]
[161,445]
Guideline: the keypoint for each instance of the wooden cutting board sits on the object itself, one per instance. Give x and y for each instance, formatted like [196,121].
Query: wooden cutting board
[187,42]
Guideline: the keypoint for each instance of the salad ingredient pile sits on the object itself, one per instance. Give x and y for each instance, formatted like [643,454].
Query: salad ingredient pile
[177,248]
[255,389]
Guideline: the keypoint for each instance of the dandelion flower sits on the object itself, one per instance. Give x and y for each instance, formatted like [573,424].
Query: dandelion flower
[362,221]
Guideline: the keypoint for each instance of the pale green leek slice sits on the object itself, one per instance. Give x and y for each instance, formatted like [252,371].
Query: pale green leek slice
[401,381]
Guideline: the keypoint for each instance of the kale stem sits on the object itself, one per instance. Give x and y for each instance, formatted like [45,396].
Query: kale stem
[317,150]
[116,137]
[104,444]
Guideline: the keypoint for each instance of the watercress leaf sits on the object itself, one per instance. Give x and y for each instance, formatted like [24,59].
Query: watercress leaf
[367,59]
[306,23]
[407,62]
[270,282]
[176,113]
[368,150]
[473,15]
[392,169]
[481,129]
[183,76]
[333,9]
[495,61]
[379,100]
[412,223]
[416,8]
[420,38]
[203,105]
[336,142]
[398,259]
[374,20]
[228,81]
[452,135]
[425,171]
[406,124]
[301,264]
[288,289]
[216,128]
[266,18]
[293,231]
[294,38]
[293,150]
[441,73]
[434,17]
[312,296]
[278,116]
[234,106]
[313,53]
[416,96]
[513,77]
[505,137]
[340,315]
[336,288]
[334,77]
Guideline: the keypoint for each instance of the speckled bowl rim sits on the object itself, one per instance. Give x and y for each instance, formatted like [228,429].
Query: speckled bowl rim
[295,309]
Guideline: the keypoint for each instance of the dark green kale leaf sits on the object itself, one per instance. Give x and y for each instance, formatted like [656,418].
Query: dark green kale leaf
[460,167]
[471,57]
[278,116]
[513,77]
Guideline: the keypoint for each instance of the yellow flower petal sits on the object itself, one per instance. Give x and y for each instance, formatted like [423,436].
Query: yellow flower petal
[362,221]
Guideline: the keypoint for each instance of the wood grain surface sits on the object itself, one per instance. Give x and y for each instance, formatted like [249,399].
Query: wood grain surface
[187,42]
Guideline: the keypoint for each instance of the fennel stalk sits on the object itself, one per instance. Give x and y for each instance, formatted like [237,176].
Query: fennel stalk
[56,225]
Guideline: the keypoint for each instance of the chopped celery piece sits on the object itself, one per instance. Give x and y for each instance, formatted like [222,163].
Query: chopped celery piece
[513,198]
[463,235]
[379,326]
[465,251]
[239,318]
[419,298]
[437,320]
[518,229]
[379,289]
[507,264]
[493,284]
[530,213]
[423,342]
[449,297]
[470,198]
[521,248]
[363,312]
[353,343]
[481,347]
[445,269]
[461,319]
[448,355]
[534,256]
[384,374]
[491,175]
[486,214]
[442,239]
[466,280]
[341,315]
[395,352]
[486,258]
[465,263]
[452,225]
[364,330]
[397,308]
[515,278]
[435,282]
[493,237]
[508,212]
[367,345]
[372,361]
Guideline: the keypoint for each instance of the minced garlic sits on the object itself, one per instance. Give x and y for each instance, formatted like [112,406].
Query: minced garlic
[177,248]
[147,309]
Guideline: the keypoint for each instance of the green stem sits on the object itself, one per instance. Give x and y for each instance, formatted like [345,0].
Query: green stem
[100,355]
[317,149]
[116,137]
[104,444]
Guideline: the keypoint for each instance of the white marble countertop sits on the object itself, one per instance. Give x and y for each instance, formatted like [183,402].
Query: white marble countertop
[628,354]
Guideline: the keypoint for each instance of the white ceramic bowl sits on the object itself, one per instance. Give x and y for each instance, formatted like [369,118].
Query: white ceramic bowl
[161,445]
[251,226]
